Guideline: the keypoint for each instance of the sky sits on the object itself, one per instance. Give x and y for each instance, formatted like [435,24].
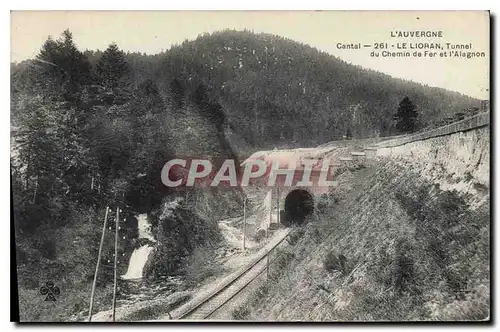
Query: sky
[153,31]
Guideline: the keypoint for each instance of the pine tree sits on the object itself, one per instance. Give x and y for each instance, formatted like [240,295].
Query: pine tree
[348,133]
[53,158]
[177,93]
[50,118]
[112,68]
[149,98]
[60,69]
[406,116]
[53,153]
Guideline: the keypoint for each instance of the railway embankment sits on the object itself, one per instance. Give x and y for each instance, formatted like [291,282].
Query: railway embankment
[456,156]
[404,238]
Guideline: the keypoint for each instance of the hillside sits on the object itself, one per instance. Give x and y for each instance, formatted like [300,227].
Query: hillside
[277,91]
[93,129]
[413,252]
[86,136]
[405,236]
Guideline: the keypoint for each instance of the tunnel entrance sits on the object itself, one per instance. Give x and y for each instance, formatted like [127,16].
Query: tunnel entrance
[299,203]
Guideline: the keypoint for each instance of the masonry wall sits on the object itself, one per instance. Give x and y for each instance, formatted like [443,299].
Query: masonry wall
[455,157]
[475,122]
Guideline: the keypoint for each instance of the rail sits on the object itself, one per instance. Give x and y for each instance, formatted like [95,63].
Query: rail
[207,305]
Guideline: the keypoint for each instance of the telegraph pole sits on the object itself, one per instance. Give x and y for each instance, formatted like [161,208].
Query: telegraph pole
[278,205]
[116,259]
[98,263]
[270,212]
[267,258]
[244,221]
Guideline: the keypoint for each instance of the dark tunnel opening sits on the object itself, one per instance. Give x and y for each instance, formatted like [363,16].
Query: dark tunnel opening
[299,204]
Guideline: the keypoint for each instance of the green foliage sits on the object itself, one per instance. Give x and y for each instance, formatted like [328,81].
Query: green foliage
[295,236]
[240,313]
[74,154]
[180,232]
[112,69]
[333,262]
[60,69]
[276,91]
[414,252]
[406,116]
[95,128]
[177,94]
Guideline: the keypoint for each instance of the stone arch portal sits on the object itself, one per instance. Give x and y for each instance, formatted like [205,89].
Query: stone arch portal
[299,203]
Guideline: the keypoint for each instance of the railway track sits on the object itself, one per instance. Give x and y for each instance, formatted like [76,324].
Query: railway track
[205,307]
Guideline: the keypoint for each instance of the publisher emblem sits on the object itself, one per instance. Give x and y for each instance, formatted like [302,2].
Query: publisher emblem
[50,291]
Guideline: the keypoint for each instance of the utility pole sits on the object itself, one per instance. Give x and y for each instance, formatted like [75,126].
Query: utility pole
[98,263]
[270,212]
[116,259]
[268,254]
[244,221]
[278,205]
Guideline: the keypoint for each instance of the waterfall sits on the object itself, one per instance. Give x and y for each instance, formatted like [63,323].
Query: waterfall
[137,262]
[144,227]
[140,255]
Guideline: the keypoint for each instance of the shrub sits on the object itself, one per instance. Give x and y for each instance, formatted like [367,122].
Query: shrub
[260,235]
[333,262]
[294,237]
[480,187]
[199,265]
[279,260]
[180,232]
[403,271]
[240,313]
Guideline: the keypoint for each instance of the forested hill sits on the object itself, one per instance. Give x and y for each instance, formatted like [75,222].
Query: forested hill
[86,135]
[92,129]
[277,91]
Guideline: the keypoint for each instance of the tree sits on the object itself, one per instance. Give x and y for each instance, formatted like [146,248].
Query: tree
[208,108]
[148,98]
[53,161]
[60,69]
[406,116]
[348,133]
[177,93]
[54,158]
[113,69]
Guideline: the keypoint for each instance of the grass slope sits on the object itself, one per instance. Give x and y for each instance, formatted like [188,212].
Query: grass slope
[413,252]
